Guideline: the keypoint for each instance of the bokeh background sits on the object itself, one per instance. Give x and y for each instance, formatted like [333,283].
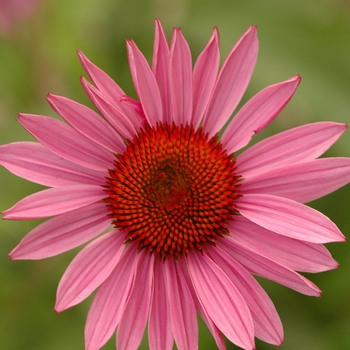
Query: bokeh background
[38,43]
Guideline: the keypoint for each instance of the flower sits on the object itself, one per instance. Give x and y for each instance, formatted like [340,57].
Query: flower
[191,220]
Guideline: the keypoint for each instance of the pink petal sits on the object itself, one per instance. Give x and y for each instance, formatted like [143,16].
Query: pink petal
[262,266]
[296,145]
[181,78]
[66,142]
[135,315]
[145,84]
[292,253]
[257,113]
[89,269]
[204,77]
[87,122]
[303,182]
[103,82]
[63,232]
[222,301]
[160,67]
[202,312]
[33,162]
[159,327]
[115,116]
[54,201]
[288,218]
[232,82]
[267,323]
[182,311]
[110,300]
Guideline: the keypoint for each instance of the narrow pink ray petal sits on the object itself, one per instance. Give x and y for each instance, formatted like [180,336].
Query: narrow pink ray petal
[181,306]
[204,77]
[33,162]
[302,182]
[54,201]
[296,145]
[202,312]
[232,82]
[267,324]
[262,266]
[145,84]
[180,79]
[160,67]
[110,300]
[63,232]
[66,142]
[135,315]
[222,301]
[87,122]
[289,218]
[102,80]
[115,116]
[89,269]
[160,336]
[292,253]
[257,113]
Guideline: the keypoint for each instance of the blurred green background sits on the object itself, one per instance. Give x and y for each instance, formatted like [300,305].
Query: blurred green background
[37,56]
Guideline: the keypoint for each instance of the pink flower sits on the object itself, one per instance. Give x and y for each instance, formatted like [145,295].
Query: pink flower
[191,220]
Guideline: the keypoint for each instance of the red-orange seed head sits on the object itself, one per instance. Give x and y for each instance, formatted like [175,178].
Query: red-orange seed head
[173,190]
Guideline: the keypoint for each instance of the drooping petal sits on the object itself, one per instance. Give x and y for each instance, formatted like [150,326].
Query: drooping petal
[292,253]
[110,300]
[115,117]
[54,201]
[232,82]
[257,113]
[204,77]
[66,142]
[135,315]
[87,122]
[159,326]
[262,266]
[222,301]
[289,218]
[180,79]
[182,311]
[160,68]
[267,323]
[63,232]
[145,84]
[303,182]
[214,330]
[89,269]
[34,162]
[296,145]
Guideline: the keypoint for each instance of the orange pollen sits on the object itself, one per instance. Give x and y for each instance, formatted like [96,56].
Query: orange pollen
[173,190]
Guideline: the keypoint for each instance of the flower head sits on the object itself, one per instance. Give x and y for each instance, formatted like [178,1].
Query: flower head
[191,221]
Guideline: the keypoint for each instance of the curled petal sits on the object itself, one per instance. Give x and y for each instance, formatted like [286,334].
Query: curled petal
[89,269]
[289,218]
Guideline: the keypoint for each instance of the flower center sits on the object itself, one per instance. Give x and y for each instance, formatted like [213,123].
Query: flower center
[173,190]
